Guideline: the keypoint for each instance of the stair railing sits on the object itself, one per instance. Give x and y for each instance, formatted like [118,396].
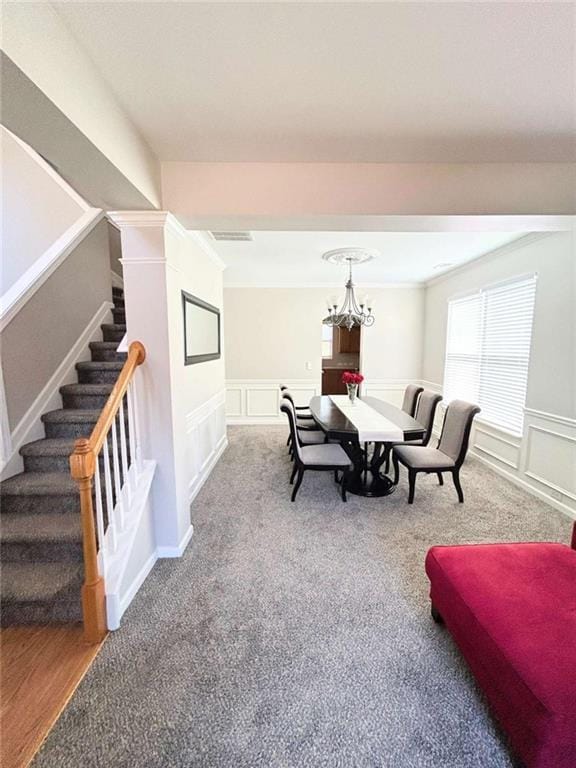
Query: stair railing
[113,445]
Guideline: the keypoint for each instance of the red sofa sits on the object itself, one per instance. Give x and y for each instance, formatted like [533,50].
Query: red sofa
[511,608]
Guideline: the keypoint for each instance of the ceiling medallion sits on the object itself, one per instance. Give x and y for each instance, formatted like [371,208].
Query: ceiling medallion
[352,312]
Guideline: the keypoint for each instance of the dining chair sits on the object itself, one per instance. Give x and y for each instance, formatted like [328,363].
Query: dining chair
[302,411]
[447,457]
[410,397]
[424,415]
[307,435]
[327,457]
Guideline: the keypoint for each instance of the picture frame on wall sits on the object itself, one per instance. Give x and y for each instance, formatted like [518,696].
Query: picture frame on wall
[201,330]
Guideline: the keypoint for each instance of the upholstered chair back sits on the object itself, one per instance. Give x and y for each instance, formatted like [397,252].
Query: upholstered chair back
[410,397]
[456,429]
[425,412]
[287,408]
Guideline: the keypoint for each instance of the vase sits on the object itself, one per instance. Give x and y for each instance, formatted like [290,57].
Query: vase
[352,392]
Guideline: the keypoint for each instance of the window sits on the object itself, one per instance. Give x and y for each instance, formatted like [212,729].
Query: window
[327,340]
[488,351]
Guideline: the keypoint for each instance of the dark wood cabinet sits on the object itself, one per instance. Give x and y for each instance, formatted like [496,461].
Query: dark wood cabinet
[348,341]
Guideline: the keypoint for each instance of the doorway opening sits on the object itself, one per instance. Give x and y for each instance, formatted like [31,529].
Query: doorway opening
[340,352]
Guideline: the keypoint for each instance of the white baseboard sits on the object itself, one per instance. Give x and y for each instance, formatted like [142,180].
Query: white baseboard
[30,426]
[201,478]
[179,550]
[115,606]
[526,486]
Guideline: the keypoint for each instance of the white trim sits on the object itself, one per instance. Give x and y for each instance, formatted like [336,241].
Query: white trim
[5,436]
[503,250]
[328,286]
[30,426]
[117,554]
[569,422]
[179,550]
[528,487]
[198,237]
[206,468]
[243,388]
[49,170]
[116,606]
[37,274]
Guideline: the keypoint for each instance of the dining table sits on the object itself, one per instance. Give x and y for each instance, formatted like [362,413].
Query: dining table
[366,428]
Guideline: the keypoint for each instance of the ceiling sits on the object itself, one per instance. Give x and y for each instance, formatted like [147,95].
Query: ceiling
[295,258]
[339,82]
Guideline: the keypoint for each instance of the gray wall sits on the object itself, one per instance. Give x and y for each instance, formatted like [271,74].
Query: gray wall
[551,380]
[38,339]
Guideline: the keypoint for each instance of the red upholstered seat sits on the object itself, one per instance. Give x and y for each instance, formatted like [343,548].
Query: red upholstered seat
[511,609]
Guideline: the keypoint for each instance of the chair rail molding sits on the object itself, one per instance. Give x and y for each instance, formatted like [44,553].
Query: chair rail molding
[257,401]
[36,275]
[30,425]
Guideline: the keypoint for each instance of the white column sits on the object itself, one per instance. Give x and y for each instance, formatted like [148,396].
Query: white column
[145,267]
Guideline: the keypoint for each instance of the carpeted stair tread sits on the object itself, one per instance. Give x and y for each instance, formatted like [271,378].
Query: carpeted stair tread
[47,527]
[39,484]
[87,389]
[114,326]
[55,446]
[72,415]
[99,365]
[41,582]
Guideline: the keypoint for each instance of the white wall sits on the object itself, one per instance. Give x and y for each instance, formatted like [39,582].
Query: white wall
[273,336]
[39,43]
[182,407]
[544,459]
[37,208]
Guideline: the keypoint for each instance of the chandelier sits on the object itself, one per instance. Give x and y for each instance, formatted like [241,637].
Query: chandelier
[352,311]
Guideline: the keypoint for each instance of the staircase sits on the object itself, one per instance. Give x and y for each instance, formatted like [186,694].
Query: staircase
[41,536]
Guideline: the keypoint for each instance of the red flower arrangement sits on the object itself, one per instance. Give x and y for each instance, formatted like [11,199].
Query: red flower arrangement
[349,377]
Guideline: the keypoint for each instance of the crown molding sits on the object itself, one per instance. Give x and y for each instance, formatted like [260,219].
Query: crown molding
[328,286]
[503,250]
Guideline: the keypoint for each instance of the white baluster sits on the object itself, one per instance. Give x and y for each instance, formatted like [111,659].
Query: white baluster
[126,486]
[119,508]
[131,430]
[100,518]
[137,422]
[111,530]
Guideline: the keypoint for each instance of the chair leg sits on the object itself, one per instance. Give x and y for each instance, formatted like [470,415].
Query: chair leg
[411,485]
[293,475]
[396,469]
[440,478]
[344,483]
[456,478]
[289,440]
[298,483]
[336,478]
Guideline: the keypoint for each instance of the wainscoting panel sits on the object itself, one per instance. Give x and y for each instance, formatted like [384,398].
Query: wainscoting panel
[549,459]
[257,401]
[542,461]
[206,440]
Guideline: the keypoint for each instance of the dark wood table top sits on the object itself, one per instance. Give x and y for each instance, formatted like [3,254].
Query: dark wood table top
[335,424]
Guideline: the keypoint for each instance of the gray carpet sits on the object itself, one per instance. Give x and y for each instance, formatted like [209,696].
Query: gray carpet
[297,634]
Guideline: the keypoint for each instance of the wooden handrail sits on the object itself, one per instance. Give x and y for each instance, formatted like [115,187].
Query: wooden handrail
[83,466]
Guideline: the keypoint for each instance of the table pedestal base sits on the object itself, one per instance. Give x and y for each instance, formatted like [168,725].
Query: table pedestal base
[365,478]
[369,483]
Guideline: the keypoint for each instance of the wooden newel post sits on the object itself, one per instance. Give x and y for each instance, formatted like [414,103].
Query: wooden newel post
[83,464]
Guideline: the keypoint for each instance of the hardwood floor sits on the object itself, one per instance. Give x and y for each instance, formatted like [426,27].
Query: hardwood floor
[41,668]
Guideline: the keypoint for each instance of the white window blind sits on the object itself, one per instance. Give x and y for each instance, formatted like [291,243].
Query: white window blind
[488,351]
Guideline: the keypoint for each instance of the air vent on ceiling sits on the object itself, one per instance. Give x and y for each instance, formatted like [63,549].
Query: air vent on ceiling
[232,237]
